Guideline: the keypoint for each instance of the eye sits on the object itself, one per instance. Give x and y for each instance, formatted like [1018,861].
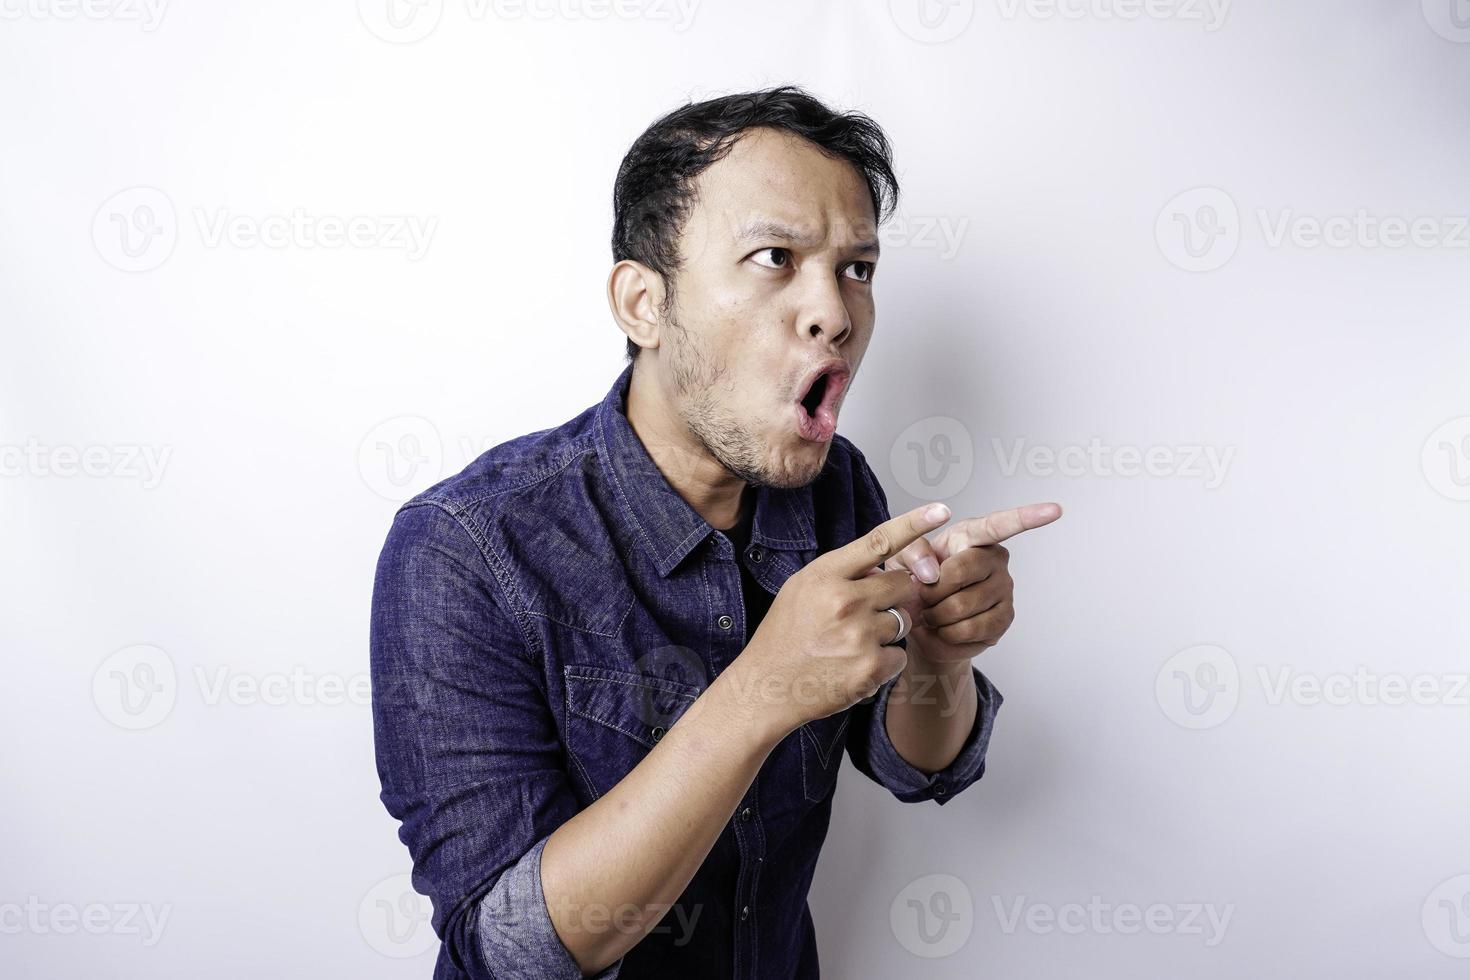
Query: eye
[865,271]
[781,256]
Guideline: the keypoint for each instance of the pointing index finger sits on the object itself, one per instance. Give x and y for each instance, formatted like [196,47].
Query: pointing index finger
[854,559]
[995,527]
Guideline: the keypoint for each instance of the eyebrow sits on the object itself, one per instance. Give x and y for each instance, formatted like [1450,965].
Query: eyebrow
[755,229]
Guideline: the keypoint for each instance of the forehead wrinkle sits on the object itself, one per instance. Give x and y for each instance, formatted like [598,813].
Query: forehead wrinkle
[784,169]
[755,229]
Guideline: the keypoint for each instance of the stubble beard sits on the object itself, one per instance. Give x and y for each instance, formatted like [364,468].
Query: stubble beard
[697,376]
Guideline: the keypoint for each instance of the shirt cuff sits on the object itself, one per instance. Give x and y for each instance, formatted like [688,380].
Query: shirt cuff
[516,936]
[912,785]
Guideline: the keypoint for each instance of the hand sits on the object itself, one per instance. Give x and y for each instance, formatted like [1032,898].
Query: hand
[820,647]
[965,595]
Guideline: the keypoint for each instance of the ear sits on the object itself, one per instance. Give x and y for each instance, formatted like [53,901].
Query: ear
[634,294]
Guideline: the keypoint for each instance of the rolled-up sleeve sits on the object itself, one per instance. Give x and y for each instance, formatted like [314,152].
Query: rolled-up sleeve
[468,752]
[516,934]
[873,754]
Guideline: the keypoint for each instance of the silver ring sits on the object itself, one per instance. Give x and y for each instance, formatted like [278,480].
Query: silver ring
[903,625]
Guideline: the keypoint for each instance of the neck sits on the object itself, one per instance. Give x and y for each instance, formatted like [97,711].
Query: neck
[714,492]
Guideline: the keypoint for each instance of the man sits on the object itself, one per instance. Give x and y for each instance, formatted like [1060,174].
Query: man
[617,663]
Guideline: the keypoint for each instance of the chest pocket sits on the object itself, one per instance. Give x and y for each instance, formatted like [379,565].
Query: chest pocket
[615,717]
[822,745]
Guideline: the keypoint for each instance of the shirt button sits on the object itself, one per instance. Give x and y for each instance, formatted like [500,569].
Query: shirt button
[939,791]
[745,913]
[756,555]
[745,814]
[658,732]
[725,622]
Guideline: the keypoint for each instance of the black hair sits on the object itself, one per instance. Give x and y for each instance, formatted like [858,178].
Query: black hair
[654,191]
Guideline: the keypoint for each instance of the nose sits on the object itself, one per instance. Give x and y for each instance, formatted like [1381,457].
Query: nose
[822,313]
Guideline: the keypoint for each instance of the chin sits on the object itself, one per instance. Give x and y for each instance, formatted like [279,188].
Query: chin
[794,470]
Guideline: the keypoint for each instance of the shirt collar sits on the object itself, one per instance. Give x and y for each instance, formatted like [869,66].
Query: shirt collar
[664,522]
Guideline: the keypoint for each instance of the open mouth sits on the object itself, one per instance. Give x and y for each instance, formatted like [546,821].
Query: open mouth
[814,394]
[816,410]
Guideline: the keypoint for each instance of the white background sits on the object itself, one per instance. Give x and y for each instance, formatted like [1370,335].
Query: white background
[185,646]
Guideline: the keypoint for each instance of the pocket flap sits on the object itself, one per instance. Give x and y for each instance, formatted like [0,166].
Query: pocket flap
[640,706]
[824,734]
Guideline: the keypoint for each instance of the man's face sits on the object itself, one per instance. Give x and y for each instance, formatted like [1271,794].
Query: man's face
[773,306]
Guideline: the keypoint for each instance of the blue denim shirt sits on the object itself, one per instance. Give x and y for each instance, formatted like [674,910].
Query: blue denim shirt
[539,620]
